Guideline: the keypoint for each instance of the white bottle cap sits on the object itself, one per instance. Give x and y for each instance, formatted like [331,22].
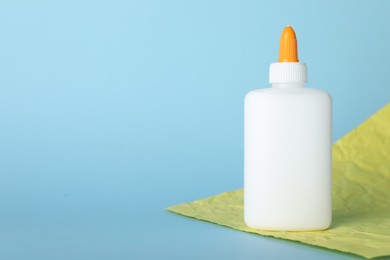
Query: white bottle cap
[288,72]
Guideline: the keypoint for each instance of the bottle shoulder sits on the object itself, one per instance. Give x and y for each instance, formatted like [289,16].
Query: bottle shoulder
[282,92]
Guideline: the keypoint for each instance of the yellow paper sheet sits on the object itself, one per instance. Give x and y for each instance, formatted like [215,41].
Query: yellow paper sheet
[361,196]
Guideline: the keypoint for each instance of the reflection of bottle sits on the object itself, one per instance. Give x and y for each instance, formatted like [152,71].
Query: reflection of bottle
[288,144]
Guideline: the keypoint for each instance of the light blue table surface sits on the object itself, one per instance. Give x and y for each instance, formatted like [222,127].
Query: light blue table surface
[111,111]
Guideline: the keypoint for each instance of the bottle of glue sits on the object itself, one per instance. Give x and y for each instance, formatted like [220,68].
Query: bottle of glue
[288,162]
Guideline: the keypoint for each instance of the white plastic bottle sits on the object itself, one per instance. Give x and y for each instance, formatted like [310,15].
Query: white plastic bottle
[288,163]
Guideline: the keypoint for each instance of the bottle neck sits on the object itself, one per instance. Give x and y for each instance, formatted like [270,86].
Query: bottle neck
[288,85]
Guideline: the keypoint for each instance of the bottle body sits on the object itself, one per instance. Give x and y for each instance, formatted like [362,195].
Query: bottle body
[288,164]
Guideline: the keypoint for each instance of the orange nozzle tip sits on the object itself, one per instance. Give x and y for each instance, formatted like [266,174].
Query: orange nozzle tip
[288,33]
[288,46]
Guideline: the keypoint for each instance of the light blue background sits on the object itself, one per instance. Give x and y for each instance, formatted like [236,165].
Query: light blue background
[111,111]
